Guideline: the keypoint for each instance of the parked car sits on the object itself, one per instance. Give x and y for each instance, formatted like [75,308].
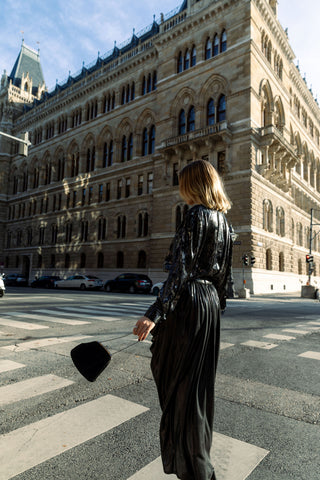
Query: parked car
[156,288]
[46,281]
[129,282]
[15,280]
[2,286]
[83,282]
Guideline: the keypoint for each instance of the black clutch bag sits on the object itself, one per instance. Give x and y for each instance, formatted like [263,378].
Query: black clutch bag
[90,359]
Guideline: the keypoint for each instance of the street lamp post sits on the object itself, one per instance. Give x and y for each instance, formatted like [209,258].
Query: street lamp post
[230,286]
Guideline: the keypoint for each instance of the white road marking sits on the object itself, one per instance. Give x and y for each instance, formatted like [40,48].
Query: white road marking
[33,444]
[24,346]
[105,312]
[224,345]
[313,355]
[23,325]
[263,345]
[295,330]
[276,336]
[31,388]
[314,323]
[309,327]
[34,316]
[8,365]
[81,314]
[232,459]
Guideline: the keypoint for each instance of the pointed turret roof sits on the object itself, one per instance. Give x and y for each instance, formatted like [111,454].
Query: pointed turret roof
[28,61]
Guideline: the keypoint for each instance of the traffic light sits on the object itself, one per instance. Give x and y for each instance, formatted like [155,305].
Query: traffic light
[253,260]
[23,147]
[309,258]
[245,259]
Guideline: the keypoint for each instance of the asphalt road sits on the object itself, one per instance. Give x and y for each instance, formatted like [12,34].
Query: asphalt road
[56,425]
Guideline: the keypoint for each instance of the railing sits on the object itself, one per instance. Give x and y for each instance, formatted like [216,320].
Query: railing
[203,132]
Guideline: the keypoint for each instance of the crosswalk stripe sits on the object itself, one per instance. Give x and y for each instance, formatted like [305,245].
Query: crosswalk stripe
[8,365]
[232,459]
[295,330]
[310,328]
[314,323]
[33,444]
[224,345]
[45,342]
[23,325]
[276,336]
[34,316]
[313,355]
[31,388]
[111,311]
[81,314]
[104,309]
[257,344]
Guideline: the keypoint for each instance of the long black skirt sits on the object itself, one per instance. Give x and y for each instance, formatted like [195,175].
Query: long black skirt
[184,360]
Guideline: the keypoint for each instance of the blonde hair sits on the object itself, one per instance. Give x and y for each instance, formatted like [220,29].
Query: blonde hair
[200,183]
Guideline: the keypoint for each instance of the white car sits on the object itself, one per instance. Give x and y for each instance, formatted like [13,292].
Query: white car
[156,288]
[83,282]
[2,286]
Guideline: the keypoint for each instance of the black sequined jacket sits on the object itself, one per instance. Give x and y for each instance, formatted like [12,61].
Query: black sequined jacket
[201,249]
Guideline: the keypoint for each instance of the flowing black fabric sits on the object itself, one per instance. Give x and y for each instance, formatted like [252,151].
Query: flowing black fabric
[186,338]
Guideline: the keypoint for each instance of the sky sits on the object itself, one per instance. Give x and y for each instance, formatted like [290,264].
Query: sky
[70,32]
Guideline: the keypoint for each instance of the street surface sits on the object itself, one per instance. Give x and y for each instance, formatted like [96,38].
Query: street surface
[55,425]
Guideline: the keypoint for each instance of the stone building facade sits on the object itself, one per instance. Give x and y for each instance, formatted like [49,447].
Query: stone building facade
[98,192]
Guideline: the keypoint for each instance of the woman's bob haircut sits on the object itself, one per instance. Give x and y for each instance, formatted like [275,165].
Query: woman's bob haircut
[200,183]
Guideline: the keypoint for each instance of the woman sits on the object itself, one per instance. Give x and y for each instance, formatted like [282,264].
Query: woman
[185,324]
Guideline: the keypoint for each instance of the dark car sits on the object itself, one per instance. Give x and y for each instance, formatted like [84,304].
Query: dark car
[46,281]
[129,282]
[15,280]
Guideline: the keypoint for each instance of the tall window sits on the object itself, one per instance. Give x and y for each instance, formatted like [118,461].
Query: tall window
[268,259]
[191,120]
[145,142]
[216,45]
[267,216]
[182,122]
[193,56]
[187,59]
[223,42]
[152,139]
[222,108]
[142,259]
[121,226]
[140,184]
[120,260]
[208,49]
[130,147]
[150,182]
[210,112]
[180,63]
[102,228]
[100,260]
[124,149]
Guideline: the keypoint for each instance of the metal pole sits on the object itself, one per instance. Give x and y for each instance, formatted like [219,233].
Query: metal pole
[25,142]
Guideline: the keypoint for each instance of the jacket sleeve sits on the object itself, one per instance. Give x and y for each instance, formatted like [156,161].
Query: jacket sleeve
[180,264]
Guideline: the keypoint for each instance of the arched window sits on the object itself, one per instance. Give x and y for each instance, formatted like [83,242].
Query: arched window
[124,149]
[268,259]
[267,216]
[133,91]
[120,260]
[193,56]
[180,63]
[140,222]
[82,260]
[299,234]
[149,83]
[216,43]
[130,147]
[105,155]
[110,160]
[144,86]
[123,96]
[145,142]
[152,139]
[208,49]
[142,259]
[182,122]
[187,60]
[145,224]
[128,94]
[222,108]
[223,42]
[154,81]
[210,112]
[280,222]
[100,260]
[191,120]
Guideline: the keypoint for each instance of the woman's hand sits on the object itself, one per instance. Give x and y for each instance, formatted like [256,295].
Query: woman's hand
[142,328]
